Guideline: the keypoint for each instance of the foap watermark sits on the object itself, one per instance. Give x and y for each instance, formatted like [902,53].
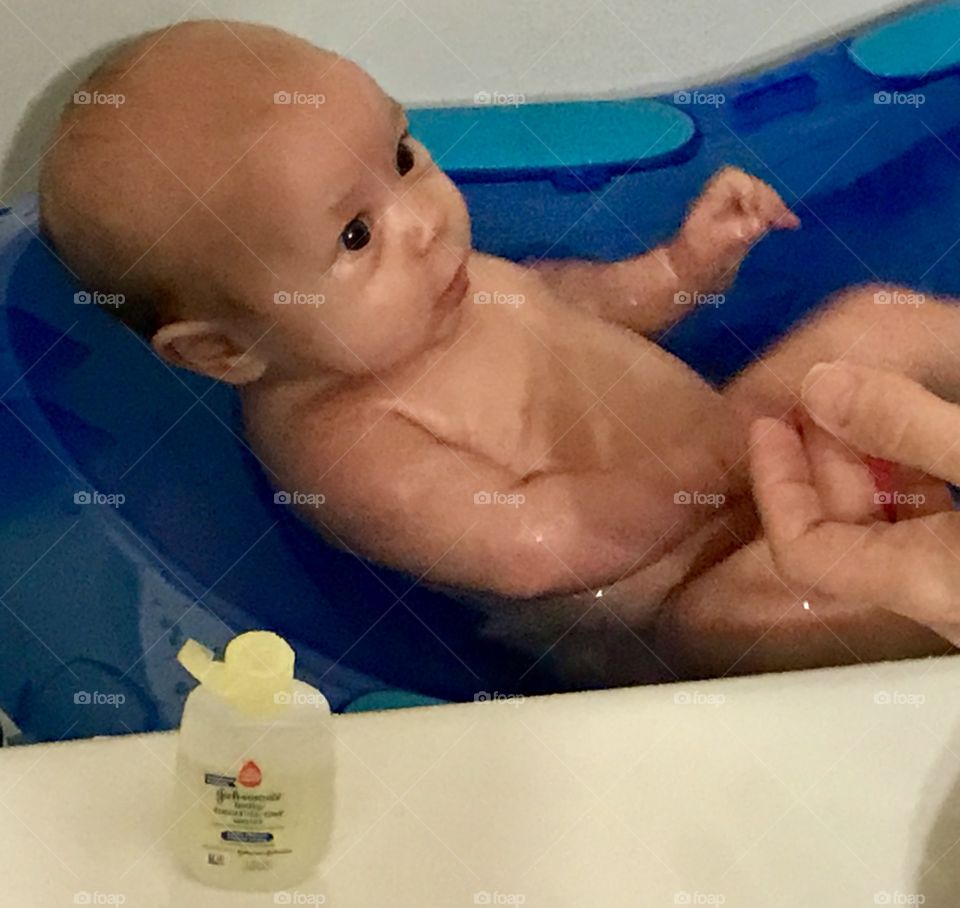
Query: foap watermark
[704,98]
[898,698]
[298,298]
[499,898]
[96,298]
[900,98]
[514,499]
[715,499]
[296,897]
[299,98]
[903,499]
[498,298]
[300,698]
[698,698]
[485,696]
[113,499]
[308,499]
[686,298]
[98,698]
[898,298]
[107,99]
[499,98]
[685,897]
[85,897]
[895,897]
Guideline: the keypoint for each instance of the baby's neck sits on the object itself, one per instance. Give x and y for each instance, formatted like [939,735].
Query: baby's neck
[271,389]
[325,382]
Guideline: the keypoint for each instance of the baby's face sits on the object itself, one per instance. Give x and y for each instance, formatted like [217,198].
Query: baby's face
[359,234]
[293,227]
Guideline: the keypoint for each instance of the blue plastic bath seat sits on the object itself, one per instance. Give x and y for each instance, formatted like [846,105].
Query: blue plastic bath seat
[507,139]
[912,47]
[103,591]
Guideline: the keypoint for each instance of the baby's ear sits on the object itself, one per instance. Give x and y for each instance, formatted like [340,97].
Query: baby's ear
[203,347]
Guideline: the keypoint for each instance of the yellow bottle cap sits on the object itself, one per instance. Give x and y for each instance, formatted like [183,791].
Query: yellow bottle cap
[255,674]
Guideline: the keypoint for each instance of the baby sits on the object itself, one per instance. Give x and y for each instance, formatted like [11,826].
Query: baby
[272,224]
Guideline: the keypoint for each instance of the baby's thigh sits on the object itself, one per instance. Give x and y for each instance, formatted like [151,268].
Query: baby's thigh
[742,617]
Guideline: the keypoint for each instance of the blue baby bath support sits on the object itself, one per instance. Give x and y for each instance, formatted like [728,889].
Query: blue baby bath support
[134,516]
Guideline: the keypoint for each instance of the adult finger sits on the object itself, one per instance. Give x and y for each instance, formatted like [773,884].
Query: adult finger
[911,568]
[846,485]
[887,415]
[783,483]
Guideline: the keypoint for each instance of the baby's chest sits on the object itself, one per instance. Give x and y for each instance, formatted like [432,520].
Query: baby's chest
[536,393]
[489,400]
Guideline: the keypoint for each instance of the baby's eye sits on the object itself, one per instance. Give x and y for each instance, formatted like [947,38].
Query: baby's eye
[355,235]
[405,157]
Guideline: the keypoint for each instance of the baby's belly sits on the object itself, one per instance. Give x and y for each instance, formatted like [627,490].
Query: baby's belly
[545,389]
[582,639]
[634,597]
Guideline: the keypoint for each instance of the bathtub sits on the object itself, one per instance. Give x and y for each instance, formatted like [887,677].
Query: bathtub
[134,516]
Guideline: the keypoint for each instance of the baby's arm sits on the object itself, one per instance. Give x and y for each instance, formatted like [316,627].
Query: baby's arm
[650,292]
[397,495]
[740,617]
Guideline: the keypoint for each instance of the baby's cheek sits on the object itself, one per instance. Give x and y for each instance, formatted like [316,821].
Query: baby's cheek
[390,326]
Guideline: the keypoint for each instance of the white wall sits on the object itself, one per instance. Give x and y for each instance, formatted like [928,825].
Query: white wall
[425,51]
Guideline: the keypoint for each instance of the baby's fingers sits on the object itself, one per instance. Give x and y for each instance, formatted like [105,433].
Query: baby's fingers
[786,220]
[770,208]
[726,193]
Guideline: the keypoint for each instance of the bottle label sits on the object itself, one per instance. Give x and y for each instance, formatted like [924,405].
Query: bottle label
[245,818]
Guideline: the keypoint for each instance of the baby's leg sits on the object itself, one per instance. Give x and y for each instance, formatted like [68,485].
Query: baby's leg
[877,325]
[740,618]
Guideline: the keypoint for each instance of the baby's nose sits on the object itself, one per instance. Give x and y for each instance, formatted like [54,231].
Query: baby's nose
[423,230]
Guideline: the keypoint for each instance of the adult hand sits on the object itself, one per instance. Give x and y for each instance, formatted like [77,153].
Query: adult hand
[821,509]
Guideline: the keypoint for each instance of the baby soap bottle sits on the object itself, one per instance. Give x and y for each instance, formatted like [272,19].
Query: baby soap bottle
[254,794]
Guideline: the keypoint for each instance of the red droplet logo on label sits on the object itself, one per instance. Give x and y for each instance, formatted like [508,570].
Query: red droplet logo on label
[249,775]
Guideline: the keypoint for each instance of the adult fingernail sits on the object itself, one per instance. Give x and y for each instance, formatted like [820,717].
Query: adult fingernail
[827,391]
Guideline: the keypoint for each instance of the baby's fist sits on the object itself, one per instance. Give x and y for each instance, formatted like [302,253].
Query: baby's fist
[734,211]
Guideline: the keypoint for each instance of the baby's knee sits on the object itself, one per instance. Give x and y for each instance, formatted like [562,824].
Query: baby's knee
[858,309]
[864,299]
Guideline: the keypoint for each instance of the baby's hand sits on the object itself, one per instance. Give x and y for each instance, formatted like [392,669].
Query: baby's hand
[734,212]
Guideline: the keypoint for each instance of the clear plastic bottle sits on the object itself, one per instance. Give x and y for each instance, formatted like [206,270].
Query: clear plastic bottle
[254,795]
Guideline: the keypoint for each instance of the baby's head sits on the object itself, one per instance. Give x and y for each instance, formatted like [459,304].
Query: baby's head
[258,203]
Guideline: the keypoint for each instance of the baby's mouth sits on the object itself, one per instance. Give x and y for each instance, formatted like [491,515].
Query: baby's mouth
[454,291]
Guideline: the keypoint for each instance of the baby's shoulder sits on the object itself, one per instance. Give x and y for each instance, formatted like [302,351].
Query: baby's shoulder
[287,425]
